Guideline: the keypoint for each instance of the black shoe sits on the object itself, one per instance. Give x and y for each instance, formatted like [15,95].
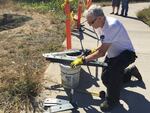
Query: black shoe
[125,15]
[135,72]
[107,107]
[112,13]
[121,15]
[116,13]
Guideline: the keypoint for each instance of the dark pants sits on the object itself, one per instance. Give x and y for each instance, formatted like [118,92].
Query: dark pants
[125,7]
[113,76]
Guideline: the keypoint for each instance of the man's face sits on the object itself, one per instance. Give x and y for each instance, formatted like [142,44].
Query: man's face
[95,22]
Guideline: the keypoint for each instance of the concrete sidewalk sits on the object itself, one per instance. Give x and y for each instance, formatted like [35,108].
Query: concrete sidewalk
[135,97]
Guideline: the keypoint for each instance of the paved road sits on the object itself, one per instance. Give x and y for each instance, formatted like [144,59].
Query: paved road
[135,97]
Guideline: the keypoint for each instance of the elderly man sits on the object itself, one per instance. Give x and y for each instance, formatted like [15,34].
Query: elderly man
[120,54]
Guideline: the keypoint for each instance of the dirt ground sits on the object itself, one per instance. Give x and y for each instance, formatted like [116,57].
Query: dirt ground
[27,30]
[16,36]
[24,36]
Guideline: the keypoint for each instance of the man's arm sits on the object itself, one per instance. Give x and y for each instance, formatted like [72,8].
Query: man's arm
[100,52]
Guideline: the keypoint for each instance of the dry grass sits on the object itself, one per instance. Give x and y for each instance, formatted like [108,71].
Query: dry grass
[21,61]
[144,15]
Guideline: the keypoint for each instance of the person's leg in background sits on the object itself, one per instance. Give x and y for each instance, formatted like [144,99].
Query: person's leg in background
[122,8]
[126,7]
[113,7]
[117,10]
[117,6]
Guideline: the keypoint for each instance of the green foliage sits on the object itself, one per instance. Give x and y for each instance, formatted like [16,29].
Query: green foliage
[130,0]
[32,1]
[144,15]
[46,5]
[43,6]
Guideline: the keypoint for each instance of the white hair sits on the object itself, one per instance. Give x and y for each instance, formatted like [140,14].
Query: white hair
[95,11]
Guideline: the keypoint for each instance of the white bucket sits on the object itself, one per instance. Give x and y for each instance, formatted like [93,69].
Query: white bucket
[70,76]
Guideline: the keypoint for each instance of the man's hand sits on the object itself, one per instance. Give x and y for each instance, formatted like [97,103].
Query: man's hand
[89,51]
[77,62]
[92,51]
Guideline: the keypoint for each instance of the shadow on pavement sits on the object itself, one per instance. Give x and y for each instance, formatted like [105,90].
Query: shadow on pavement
[134,102]
[81,98]
[84,100]
[130,17]
[136,83]
[87,80]
[134,18]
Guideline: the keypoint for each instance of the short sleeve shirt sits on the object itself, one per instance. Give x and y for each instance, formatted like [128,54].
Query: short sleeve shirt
[114,32]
